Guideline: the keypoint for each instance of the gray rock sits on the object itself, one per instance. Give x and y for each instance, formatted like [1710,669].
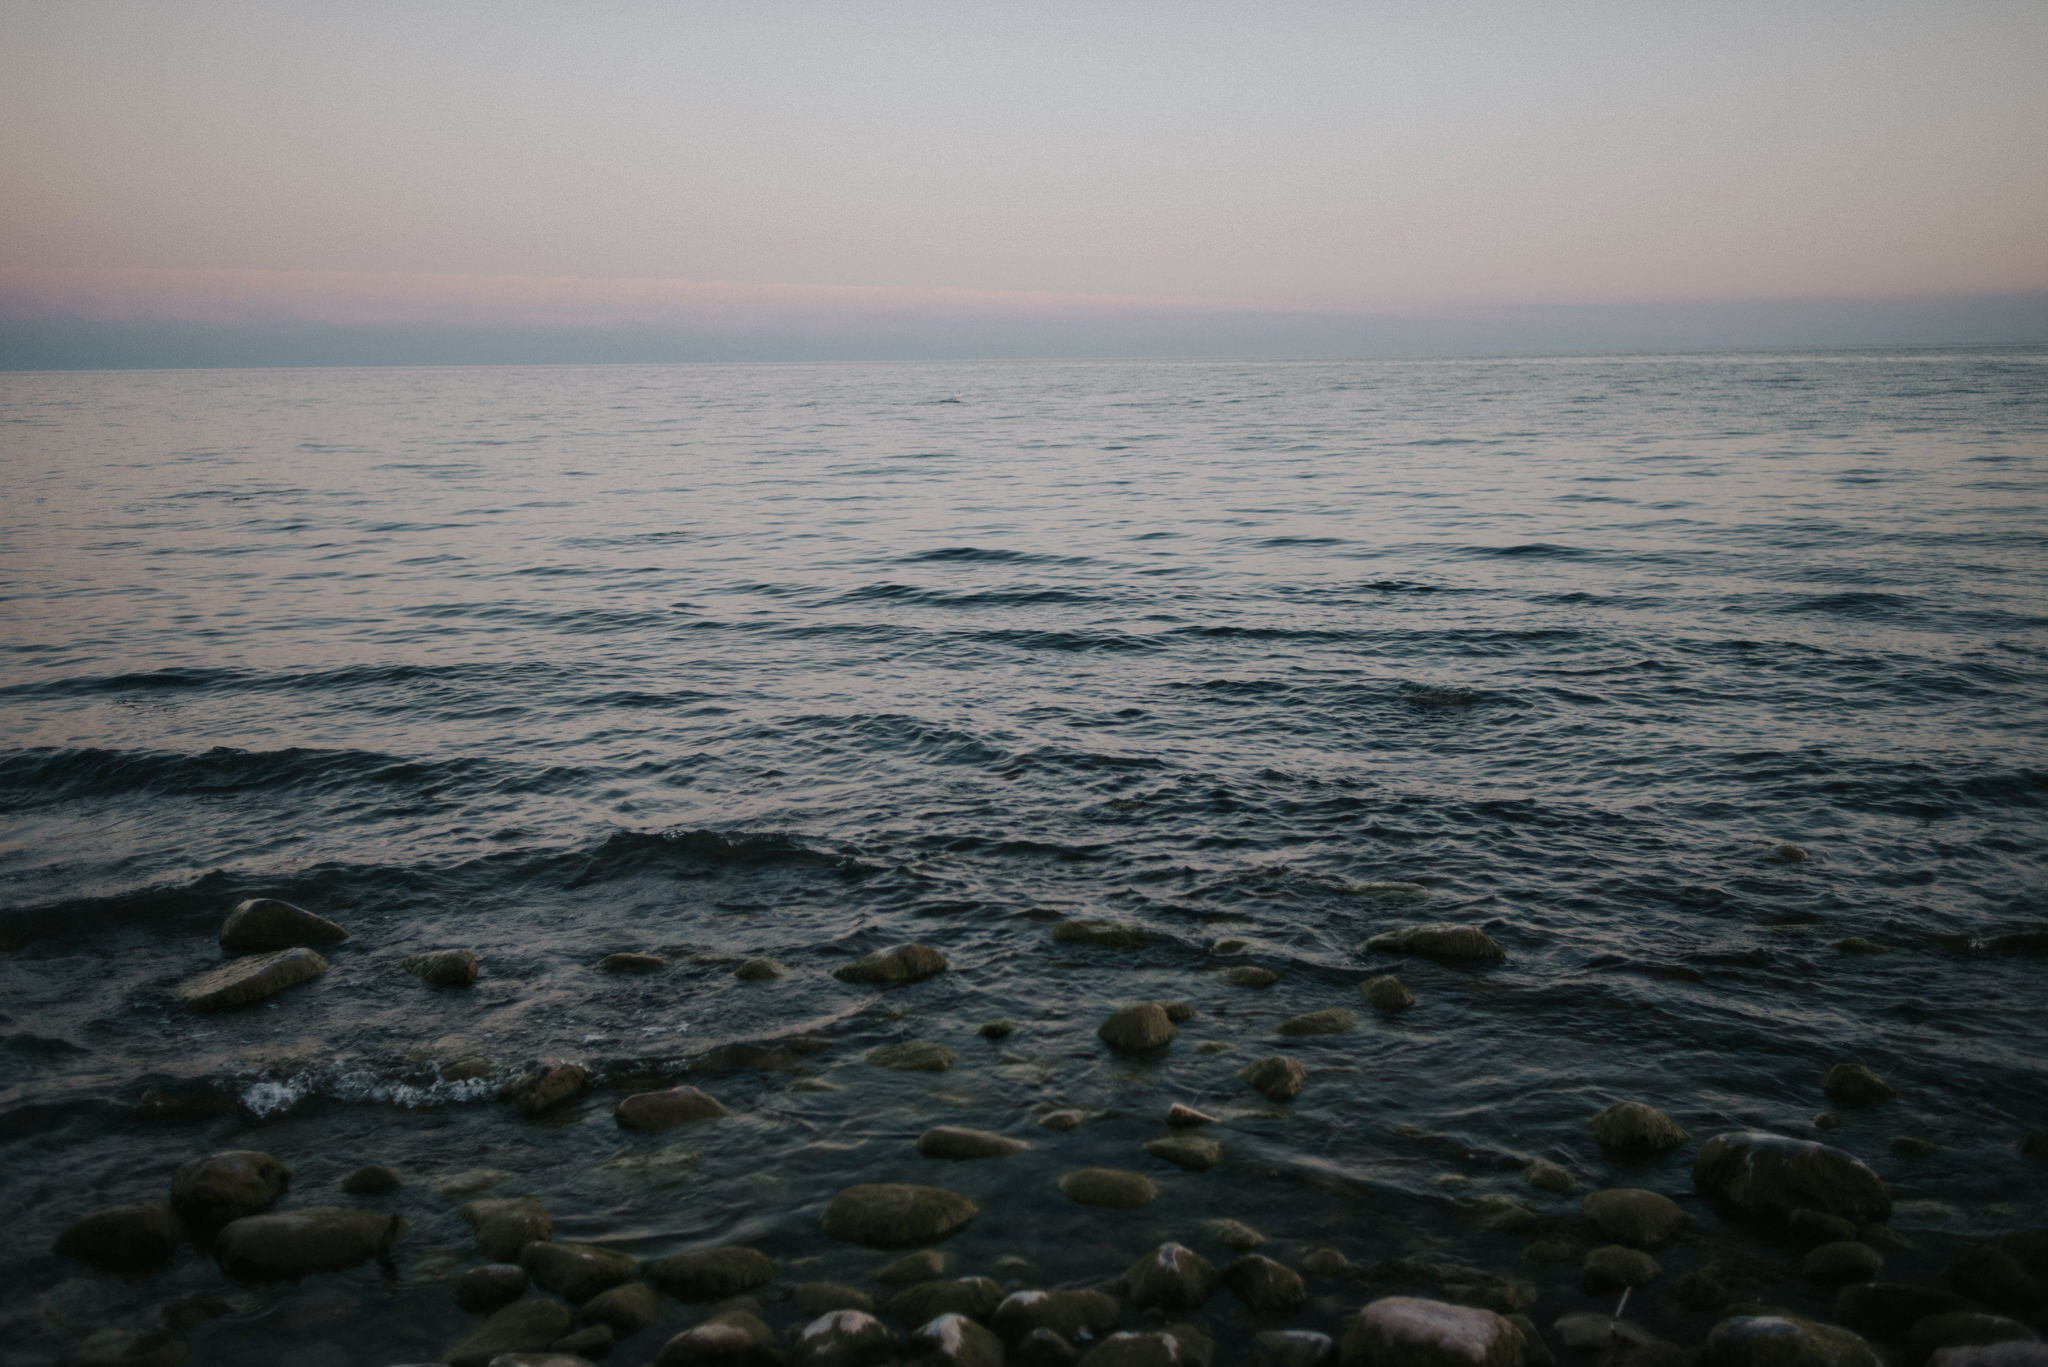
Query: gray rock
[207,1193]
[1386,993]
[733,1338]
[1278,1078]
[1180,1346]
[296,1243]
[896,1214]
[1965,1328]
[913,1056]
[504,1226]
[894,967]
[926,1264]
[1140,1028]
[711,1274]
[1109,1188]
[1264,1285]
[246,981]
[443,967]
[844,1338]
[632,963]
[1062,1120]
[1450,943]
[1784,1341]
[667,1110]
[1889,1310]
[126,1348]
[957,1143]
[1322,1260]
[1843,1261]
[1632,1127]
[1043,1348]
[955,1341]
[1630,1215]
[576,1272]
[480,1290]
[1333,1021]
[1813,1227]
[2014,1353]
[1547,1176]
[1296,1348]
[1186,1117]
[1993,1276]
[123,1238]
[263,924]
[1614,1267]
[1250,975]
[1071,1314]
[996,1029]
[544,1088]
[373,1180]
[1408,1331]
[625,1309]
[1170,1277]
[759,970]
[1100,934]
[1852,1084]
[1196,1153]
[1770,1174]
[974,1297]
[1584,1332]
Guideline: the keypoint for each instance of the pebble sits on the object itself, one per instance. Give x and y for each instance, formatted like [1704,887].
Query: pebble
[1109,1188]
[956,1341]
[912,1056]
[711,1274]
[1140,1028]
[896,1214]
[1409,1331]
[759,970]
[1770,1174]
[958,1143]
[667,1110]
[1196,1153]
[207,1193]
[576,1272]
[1334,1020]
[505,1225]
[246,981]
[894,967]
[1613,1267]
[480,1290]
[1842,1261]
[1100,934]
[1386,993]
[1633,1216]
[844,1338]
[1250,975]
[296,1243]
[262,924]
[373,1180]
[1264,1285]
[1852,1084]
[1632,1127]
[632,963]
[1277,1078]
[974,1297]
[1170,1277]
[1452,943]
[544,1088]
[123,1238]
[443,967]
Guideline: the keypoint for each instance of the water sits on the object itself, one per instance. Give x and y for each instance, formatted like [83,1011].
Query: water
[806,661]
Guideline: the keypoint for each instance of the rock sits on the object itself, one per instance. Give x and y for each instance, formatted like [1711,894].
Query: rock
[374,1180]
[1630,1215]
[263,924]
[126,1348]
[504,1226]
[974,1297]
[1883,1238]
[1140,1028]
[1249,975]
[958,1144]
[1912,1146]
[1196,1153]
[1549,1251]
[1784,1341]
[733,1338]
[815,1298]
[896,1214]
[1450,943]
[1233,1234]
[1296,1348]
[1044,1348]
[626,1309]
[926,1264]
[2014,1353]
[1264,1285]
[1386,993]
[1547,1176]
[1613,1267]
[1789,854]
[2034,1144]
[893,967]
[1814,1227]
[667,1110]
[955,1341]
[1486,1291]
[711,1274]
[1278,1078]
[996,1029]
[1584,1332]
[1504,1214]
[1071,1314]
[1993,1276]
[632,963]
[296,1243]
[1100,934]
[1333,1021]
[576,1272]
[844,1338]
[2029,1248]
[541,1089]
[1888,1310]
[1632,1127]
[1109,1188]
[570,1350]
[912,1056]
[1408,1331]
[246,981]
[1842,1261]
[1170,1277]
[1061,1121]
[1535,1352]
[207,1193]
[1699,1289]
[1852,1084]
[1175,1347]
[443,967]
[1322,1260]
[480,1290]
[1186,1117]
[1770,1174]
[123,1238]
[759,970]
[1965,1328]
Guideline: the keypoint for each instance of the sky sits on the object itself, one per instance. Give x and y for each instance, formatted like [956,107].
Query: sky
[185,177]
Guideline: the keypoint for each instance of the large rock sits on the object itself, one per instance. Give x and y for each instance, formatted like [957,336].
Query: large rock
[123,1238]
[576,1272]
[624,1309]
[667,1110]
[1450,943]
[1630,1215]
[913,1056]
[1264,1285]
[1109,1188]
[373,1179]
[296,1243]
[1278,1078]
[891,967]
[505,1225]
[481,1290]
[958,1143]
[1140,1028]
[1408,1331]
[1784,1341]
[1071,1314]
[1386,993]
[1334,1020]
[246,981]
[974,1297]
[896,1214]
[711,1274]
[1043,1348]
[209,1192]
[734,1338]
[844,1338]
[1768,1174]
[522,1327]
[1852,1084]
[1170,1277]
[443,967]
[1196,1153]
[955,1341]
[263,924]
[2020,1353]
[1632,1127]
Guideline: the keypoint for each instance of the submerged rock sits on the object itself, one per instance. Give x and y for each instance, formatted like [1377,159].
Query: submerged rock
[296,1243]
[896,1214]
[1186,1117]
[1505,1214]
[1170,1277]
[993,1030]
[632,963]
[895,966]
[711,1274]
[1842,1261]
[1100,934]
[1784,1341]
[126,1348]
[759,970]
[1061,1121]
[844,1338]
[626,1309]
[1332,1021]
[1326,1261]
[1180,1346]
[1264,1285]
[1852,1084]
[1452,943]
[974,1297]
[1409,1331]
[913,1056]
[1768,1174]
[1250,975]
[1278,1078]
[1818,1227]
[576,1272]
[504,1226]
[926,1264]
[667,1110]
[1196,1153]
[1071,1314]
[815,1298]
[480,1290]
[209,1192]
[1888,1310]
[262,924]
[1296,1348]
[1547,1176]
[1613,1267]
[443,967]
[732,1338]
[1232,1234]
[1109,1188]
[955,1341]
[246,981]
[1631,1215]
[1139,1028]
[374,1180]
[1386,993]
[957,1143]
[544,1088]
[1632,1127]
[1967,1329]
[123,1238]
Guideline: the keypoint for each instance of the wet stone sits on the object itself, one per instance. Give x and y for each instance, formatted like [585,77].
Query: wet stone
[1044,1348]
[1547,1176]
[926,1264]
[1196,1153]
[1333,1021]
[625,1309]
[1264,1285]
[1061,1121]
[815,1298]
[570,1350]
[1278,1078]
[1584,1332]
[127,1348]
[2015,1353]
[480,1290]
[123,1238]
[373,1180]
[209,1192]
[1109,1188]
[1912,1146]
[1250,975]
[1175,1347]
[542,1089]
[1504,1214]
[1993,1276]
[1632,1127]
[1784,1341]
[844,1338]
[667,1110]
[1843,1261]
[504,1226]
[732,1338]
[1324,1261]
[1186,1117]
[1408,1331]
[263,924]
[1139,1028]
[995,1029]
[632,963]
[896,1214]
[1887,1311]
[1233,1234]
[1448,943]
[1966,1328]
[246,981]
[1386,993]
[955,1341]
[958,1143]
[711,1274]
[974,1297]
[1614,1267]
[1631,1215]
[1296,1348]
[1071,1314]
[576,1272]
[1768,1174]
[759,970]
[1852,1084]
[296,1243]
[1170,1277]
[1814,1227]
[912,1056]
[443,967]
[1099,934]
[1178,1011]
[894,967]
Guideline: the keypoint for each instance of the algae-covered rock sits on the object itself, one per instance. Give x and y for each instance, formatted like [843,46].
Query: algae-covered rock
[1450,943]
[913,1056]
[123,1238]
[207,1193]
[480,1290]
[576,1272]
[957,1143]
[1386,993]
[1633,1216]
[896,1214]
[1332,1021]
[844,1338]
[732,1338]
[261,925]
[1632,1127]
[1852,1084]
[1170,1277]
[667,1110]
[1784,1341]
[1071,1314]
[1409,1331]
[894,967]
[1614,1267]
[1278,1078]
[1196,1153]
[974,1297]
[296,1243]
[1251,975]
[626,1309]
[1140,1028]
[1109,1188]
[546,1087]
[711,1274]
[955,1341]
[246,981]
[1264,1285]
[1768,1174]
[443,967]
[504,1226]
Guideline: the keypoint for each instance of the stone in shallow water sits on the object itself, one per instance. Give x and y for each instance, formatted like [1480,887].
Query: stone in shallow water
[893,967]
[1632,1127]
[1768,1174]
[1784,1341]
[1852,1084]
[1547,1176]
[1100,934]
[1264,1285]
[759,970]
[443,967]
[1409,1331]
[1994,1276]
[1386,993]
[1061,1121]
[1278,1078]
[956,1341]
[815,1298]
[296,1243]
[480,1290]
[1109,1188]
[1631,1215]
[1140,1028]
[996,1029]
[373,1180]
[246,981]
[1180,1346]
[733,1338]
[1233,1234]
[1968,1329]
[123,1238]
[1196,1153]
[1322,1260]
[974,1297]
[576,1272]
[1813,1227]
[544,1088]
[1452,943]
[896,1214]
[625,1309]
[1170,1277]
[1178,1011]
[2021,1353]
[912,1056]
[844,1338]
[1250,975]
[667,1110]
[926,1264]
[1296,1348]
[209,1192]
[1842,1261]
[1332,1021]
[1185,1117]
[262,924]
[711,1274]
[1615,1267]
[958,1143]
[1071,1314]
[504,1226]
[632,963]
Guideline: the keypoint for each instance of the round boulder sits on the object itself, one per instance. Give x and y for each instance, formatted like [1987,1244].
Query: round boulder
[1334,1020]
[1784,1341]
[251,979]
[844,1338]
[1449,943]
[1768,1174]
[296,1243]
[1630,1215]
[1140,1028]
[958,1143]
[123,1238]
[209,1192]
[667,1110]
[1632,1127]
[1409,1331]
[1109,1188]
[894,967]
[896,1214]
[1170,1277]
[1852,1084]
[711,1274]
[262,924]
[1386,993]
[1278,1078]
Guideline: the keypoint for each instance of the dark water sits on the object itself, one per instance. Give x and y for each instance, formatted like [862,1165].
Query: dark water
[806,661]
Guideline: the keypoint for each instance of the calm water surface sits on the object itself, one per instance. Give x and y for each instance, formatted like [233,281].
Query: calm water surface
[806,661]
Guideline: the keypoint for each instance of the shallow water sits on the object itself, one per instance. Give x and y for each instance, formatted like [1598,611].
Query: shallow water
[806,661]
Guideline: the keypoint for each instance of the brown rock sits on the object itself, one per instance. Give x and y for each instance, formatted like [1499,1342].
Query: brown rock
[544,1088]
[711,1274]
[1450,943]
[632,963]
[956,1341]
[1186,1117]
[627,1309]
[1632,1127]
[1636,1217]
[896,1214]
[1250,975]
[263,924]
[1333,1021]
[1408,1331]
[759,970]
[958,1143]
[481,1290]
[1109,1188]
[926,1264]
[576,1272]
[1852,1084]
[443,967]
[524,1326]
[845,1338]
[296,1243]
[1196,1153]
[246,981]
[913,1056]
[1264,1285]
[209,1192]
[1547,1176]
[1778,1340]
[1140,1028]
[893,967]
[667,1110]
[504,1226]
[1278,1078]
[123,1238]
[1386,993]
